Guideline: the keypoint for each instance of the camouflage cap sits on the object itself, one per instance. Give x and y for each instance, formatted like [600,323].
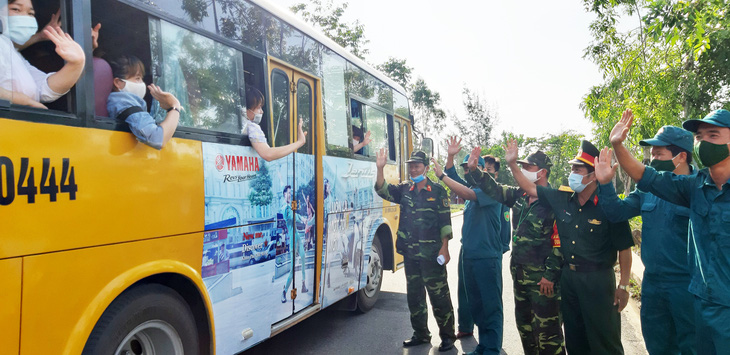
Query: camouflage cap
[537,158]
[418,157]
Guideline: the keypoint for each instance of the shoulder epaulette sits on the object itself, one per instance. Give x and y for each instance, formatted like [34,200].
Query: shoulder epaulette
[564,188]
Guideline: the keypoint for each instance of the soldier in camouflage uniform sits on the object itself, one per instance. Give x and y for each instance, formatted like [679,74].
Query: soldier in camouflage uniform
[423,236]
[536,259]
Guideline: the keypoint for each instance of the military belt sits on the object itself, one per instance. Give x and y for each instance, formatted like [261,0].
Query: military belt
[587,267]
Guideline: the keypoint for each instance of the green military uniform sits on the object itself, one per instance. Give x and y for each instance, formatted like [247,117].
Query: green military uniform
[425,221]
[589,244]
[535,254]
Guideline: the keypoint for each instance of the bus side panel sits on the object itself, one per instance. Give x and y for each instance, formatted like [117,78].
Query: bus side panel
[65,293]
[10,283]
[353,213]
[247,257]
[108,188]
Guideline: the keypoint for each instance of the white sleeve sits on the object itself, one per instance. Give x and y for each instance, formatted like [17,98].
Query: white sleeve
[41,80]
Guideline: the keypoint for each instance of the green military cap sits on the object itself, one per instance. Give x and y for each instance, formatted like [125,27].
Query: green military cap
[720,118]
[418,156]
[670,135]
[537,158]
[480,162]
[586,155]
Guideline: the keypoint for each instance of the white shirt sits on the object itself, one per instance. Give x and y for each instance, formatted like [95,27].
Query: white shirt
[17,75]
[253,131]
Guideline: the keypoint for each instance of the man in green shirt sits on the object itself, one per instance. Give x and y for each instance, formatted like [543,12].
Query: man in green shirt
[536,260]
[590,302]
[423,240]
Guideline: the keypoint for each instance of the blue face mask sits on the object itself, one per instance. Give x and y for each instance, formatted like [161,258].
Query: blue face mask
[418,178]
[575,181]
[21,28]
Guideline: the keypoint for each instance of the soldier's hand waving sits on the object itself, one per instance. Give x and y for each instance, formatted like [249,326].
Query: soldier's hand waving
[621,130]
[382,157]
[454,146]
[511,151]
[473,161]
[437,168]
[604,170]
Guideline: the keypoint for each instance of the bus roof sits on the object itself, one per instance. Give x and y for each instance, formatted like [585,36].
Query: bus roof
[293,20]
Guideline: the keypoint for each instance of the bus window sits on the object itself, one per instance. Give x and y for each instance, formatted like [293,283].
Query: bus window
[273,36]
[335,103]
[394,144]
[23,74]
[304,111]
[205,76]
[198,13]
[400,104]
[242,22]
[375,122]
[280,108]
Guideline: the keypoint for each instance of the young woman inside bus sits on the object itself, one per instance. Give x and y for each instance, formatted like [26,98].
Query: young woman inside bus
[20,82]
[126,102]
[251,128]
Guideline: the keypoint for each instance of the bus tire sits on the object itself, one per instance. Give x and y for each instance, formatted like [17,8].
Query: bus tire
[368,295]
[148,319]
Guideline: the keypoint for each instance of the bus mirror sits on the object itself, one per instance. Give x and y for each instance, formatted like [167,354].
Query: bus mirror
[427,146]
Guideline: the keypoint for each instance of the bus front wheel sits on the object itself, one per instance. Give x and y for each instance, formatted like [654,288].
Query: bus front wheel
[368,295]
[148,319]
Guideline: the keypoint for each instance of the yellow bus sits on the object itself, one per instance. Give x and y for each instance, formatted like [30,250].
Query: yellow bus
[112,247]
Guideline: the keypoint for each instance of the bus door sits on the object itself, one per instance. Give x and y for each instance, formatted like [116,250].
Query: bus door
[292,100]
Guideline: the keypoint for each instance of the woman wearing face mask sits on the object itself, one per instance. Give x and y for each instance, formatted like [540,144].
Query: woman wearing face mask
[126,102]
[251,128]
[22,83]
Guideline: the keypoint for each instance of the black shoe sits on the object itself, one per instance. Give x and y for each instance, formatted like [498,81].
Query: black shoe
[413,341]
[446,344]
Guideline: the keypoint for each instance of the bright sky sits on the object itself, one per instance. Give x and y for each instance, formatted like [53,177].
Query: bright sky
[524,57]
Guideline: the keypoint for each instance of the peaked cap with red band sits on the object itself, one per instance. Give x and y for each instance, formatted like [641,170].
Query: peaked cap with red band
[586,155]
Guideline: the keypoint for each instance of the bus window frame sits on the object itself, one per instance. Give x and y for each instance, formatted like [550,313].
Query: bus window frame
[388,114]
[193,133]
[74,21]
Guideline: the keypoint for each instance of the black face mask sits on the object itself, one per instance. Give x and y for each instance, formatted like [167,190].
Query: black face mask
[710,153]
[662,165]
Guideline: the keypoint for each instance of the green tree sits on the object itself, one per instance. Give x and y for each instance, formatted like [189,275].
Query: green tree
[398,70]
[260,194]
[476,127]
[328,18]
[426,108]
[672,67]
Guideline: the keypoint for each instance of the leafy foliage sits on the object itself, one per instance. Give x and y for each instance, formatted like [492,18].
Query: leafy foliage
[398,70]
[328,18]
[476,128]
[673,67]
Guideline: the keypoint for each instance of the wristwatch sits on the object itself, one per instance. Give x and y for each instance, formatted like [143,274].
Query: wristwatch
[623,287]
[442,176]
[174,108]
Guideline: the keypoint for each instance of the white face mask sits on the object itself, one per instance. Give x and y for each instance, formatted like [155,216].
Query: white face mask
[257,116]
[136,89]
[21,28]
[530,175]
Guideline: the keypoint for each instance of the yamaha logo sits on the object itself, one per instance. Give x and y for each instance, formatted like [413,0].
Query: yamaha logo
[219,162]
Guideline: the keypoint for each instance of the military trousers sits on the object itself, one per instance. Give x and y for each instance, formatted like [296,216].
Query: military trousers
[667,317]
[592,322]
[463,310]
[537,315]
[713,327]
[483,283]
[428,276]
